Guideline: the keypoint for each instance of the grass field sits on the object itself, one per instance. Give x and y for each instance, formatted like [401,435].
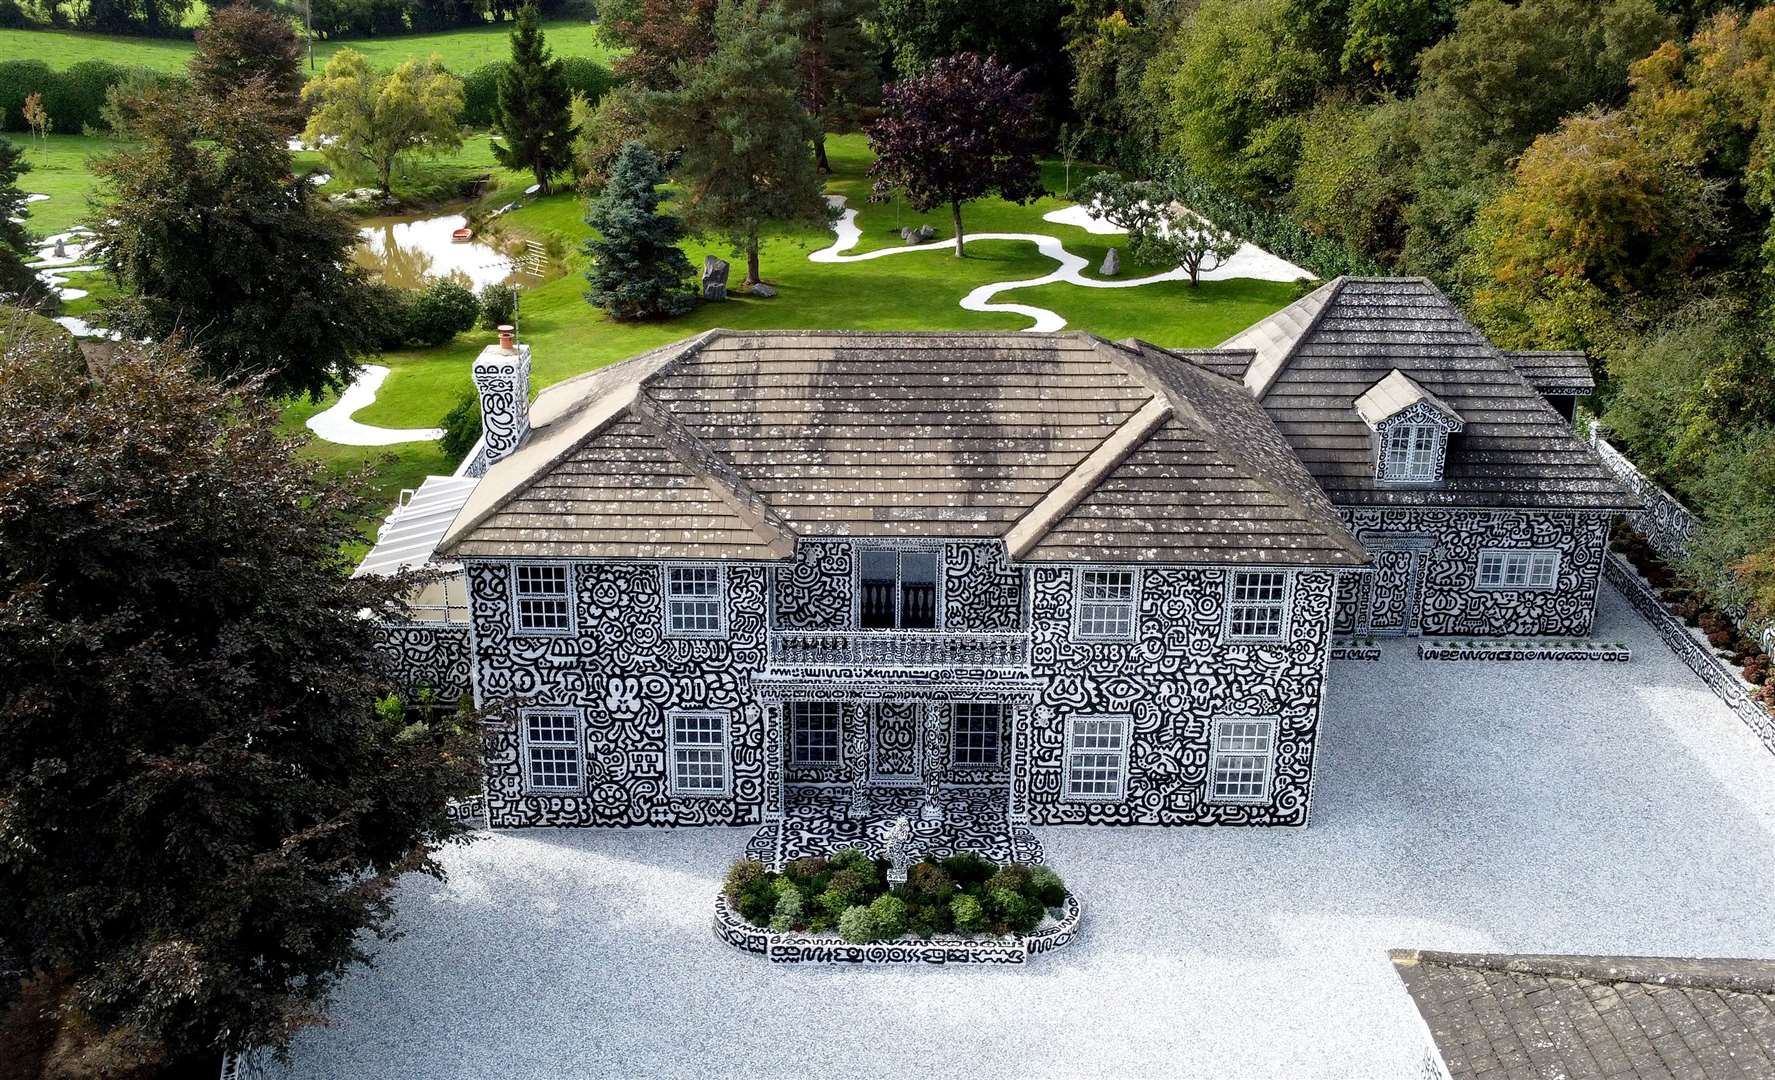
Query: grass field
[461,50]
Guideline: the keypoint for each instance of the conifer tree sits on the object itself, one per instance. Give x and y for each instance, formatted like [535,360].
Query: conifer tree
[840,66]
[19,284]
[535,115]
[742,131]
[637,270]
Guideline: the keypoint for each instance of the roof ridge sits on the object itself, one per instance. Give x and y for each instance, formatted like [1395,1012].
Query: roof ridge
[1335,289]
[1078,484]
[1746,975]
[717,474]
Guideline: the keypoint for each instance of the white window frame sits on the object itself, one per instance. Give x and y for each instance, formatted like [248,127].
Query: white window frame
[1125,724]
[1216,752]
[669,598]
[998,742]
[674,746]
[518,596]
[575,743]
[792,709]
[1410,463]
[1285,605]
[1539,570]
[1132,603]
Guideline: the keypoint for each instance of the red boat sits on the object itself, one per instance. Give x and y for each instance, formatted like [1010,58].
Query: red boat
[462,236]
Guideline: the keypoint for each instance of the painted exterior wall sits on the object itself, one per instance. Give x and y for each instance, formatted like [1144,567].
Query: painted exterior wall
[622,676]
[1427,563]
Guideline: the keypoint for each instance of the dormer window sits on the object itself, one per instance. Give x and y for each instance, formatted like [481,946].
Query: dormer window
[1412,453]
[1411,428]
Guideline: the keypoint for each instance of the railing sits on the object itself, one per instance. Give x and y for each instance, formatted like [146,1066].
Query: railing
[898,649]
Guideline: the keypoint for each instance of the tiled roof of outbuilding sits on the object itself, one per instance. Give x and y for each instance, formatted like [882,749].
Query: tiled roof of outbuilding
[1496,1017]
[1316,357]
[732,444]
[1555,371]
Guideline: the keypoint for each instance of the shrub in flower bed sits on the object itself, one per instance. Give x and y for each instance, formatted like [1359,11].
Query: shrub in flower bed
[1688,601]
[962,894]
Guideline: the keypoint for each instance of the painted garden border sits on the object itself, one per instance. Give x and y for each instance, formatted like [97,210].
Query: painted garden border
[804,949]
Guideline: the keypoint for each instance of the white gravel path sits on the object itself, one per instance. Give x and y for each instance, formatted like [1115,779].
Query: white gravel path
[1532,807]
[1248,262]
[336,425]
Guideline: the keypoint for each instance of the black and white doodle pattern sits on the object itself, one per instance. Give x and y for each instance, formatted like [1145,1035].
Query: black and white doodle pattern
[1447,602]
[503,383]
[813,589]
[625,676]
[982,592]
[1173,680]
[432,655]
[817,823]
[805,949]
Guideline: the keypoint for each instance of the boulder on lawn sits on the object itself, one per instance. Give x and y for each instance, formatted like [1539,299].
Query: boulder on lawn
[714,278]
[761,289]
[925,234]
[1112,264]
[906,235]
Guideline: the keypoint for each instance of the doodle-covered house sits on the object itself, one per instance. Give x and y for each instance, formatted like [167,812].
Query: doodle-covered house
[1081,581]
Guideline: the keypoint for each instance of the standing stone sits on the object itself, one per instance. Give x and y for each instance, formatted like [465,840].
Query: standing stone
[1112,264]
[61,247]
[906,235]
[714,278]
[925,234]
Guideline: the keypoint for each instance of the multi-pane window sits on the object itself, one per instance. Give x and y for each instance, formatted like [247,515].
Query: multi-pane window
[1410,452]
[551,750]
[1105,604]
[1257,605]
[814,733]
[542,598]
[699,753]
[898,589]
[975,730]
[1096,757]
[693,601]
[1500,569]
[1244,751]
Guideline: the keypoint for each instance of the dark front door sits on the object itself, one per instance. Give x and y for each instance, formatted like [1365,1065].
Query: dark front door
[1390,594]
[896,744]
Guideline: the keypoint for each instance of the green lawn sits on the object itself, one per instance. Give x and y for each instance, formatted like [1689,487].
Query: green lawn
[461,50]
[59,170]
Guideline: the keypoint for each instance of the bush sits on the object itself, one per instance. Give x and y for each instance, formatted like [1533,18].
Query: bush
[859,925]
[462,426]
[927,883]
[386,308]
[19,79]
[82,98]
[498,304]
[480,94]
[587,77]
[890,916]
[966,868]
[757,902]
[969,915]
[1014,910]
[439,312]
[788,910]
[1046,887]
[742,874]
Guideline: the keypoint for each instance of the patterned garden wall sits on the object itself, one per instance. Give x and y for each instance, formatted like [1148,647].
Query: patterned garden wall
[1447,600]
[1174,679]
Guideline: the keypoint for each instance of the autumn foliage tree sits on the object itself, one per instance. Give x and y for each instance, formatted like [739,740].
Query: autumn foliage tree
[203,806]
[963,130]
[241,43]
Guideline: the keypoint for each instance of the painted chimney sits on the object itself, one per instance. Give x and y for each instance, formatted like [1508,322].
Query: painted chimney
[502,377]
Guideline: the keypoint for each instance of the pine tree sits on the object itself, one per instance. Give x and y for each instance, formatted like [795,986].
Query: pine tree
[535,116]
[637,270]
[19,284]
[840,66]
[743,133]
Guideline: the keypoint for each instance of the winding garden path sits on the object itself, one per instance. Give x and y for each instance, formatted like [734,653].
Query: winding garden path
[1248,262]
[336,425]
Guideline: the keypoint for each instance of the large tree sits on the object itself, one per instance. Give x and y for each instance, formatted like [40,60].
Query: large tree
[241,43]
[661,36]
[214,238]
[1026,34]
[742,133]
[203,807]
[535,112]
[636,269]
[365,120]
[840,66]
[18,284]
[963,130]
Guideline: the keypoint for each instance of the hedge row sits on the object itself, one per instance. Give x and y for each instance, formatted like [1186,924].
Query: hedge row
[75,96]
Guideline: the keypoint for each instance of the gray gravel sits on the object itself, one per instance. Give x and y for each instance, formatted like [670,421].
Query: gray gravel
[1516,807]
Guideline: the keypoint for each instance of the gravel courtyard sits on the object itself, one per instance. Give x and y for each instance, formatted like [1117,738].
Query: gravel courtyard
[1524,808]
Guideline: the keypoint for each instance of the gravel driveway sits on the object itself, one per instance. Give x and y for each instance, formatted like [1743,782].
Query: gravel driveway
[1524,807]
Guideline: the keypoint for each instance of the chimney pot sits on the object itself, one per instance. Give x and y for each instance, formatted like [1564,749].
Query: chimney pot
[508,337]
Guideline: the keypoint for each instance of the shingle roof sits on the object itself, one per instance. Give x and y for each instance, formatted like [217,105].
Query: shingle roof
[1317,356]
[1555,371]
[1397,391]
[1502,1017]
[732,444]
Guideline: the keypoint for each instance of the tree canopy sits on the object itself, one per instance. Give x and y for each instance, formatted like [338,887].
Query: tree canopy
[964,129]
[535,114]
[362,119]
[204,803]
[241,43]
[636,270]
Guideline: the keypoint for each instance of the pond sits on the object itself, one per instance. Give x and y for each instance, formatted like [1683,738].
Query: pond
[410,250]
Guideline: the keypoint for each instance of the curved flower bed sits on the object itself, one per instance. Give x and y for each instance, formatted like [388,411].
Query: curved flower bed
[960,909]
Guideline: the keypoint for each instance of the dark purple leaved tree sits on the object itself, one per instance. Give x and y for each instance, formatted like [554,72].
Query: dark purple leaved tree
[962,130]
